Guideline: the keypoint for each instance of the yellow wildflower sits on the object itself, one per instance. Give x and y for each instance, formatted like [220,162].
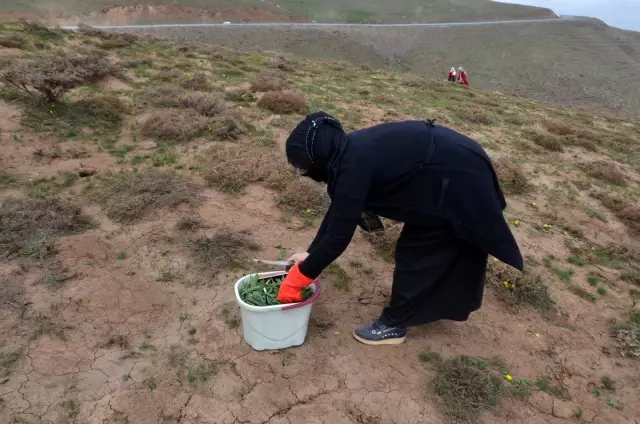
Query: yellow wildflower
[508,377]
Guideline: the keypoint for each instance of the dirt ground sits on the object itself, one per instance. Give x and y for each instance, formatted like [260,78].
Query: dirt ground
[123,322]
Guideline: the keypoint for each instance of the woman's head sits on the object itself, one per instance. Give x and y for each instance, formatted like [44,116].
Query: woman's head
[312,145]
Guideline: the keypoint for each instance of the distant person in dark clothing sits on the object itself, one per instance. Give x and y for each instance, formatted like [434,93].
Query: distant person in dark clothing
[439,183]
[452,75]
[462,76]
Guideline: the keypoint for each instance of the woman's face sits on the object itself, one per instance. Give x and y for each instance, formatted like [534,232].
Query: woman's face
[298,171]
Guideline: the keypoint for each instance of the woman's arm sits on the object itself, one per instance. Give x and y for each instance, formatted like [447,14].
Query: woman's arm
[321,231]
[340,227]
[343,216]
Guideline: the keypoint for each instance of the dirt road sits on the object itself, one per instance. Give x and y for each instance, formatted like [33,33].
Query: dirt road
[328,25]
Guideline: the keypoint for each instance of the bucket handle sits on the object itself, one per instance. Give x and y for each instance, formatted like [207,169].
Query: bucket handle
[313,297]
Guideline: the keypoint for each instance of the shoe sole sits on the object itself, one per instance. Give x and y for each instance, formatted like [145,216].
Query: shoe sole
[395,341]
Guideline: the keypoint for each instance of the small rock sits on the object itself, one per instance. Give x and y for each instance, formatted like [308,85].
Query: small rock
[86,172]
[147,145]
[4,381]
[364,300]
[564,409]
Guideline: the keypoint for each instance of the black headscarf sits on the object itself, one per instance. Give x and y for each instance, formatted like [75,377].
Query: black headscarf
[315,146]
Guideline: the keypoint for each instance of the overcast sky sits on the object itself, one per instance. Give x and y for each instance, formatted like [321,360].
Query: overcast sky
[620,13]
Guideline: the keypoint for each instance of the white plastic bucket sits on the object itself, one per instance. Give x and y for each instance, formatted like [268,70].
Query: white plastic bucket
[277,326]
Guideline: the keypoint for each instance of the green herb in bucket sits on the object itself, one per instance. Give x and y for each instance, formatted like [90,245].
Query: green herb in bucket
[264,291]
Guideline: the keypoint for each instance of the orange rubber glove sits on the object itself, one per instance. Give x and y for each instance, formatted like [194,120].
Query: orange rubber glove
[291,288]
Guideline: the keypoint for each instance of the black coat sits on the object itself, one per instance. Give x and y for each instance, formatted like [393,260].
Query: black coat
[412,172]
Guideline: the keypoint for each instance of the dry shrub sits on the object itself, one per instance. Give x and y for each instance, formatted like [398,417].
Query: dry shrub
[240,95]
[384,242]
[173,124]
[122,37]
[559,128]
[168,75]
[628,212]
[512,178]
[165,95]
[439,86]
[137,63]
[605,171]
[197,81]
[572,135]
[229,127]
[58,73]
[231,167]
[515,288]
[628,338]
[224,250]
[189,223]
[543,138]
[303,196]
[285,102]
[28,226]
[106,107]
[474,115]
[129,196]
[269,80]
[114,44]
[14,41]
[415,82]
[41,30]
[631,277]
[283,63]
[466,386]
[585,139]
[206,104]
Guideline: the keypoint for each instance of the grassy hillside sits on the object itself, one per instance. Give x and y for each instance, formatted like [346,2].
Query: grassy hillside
[321,11]
[138,178]
[581,63]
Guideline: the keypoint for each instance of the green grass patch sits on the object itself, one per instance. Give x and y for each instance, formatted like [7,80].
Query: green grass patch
[558,391]
[358,16]
[338,276]
[96,116]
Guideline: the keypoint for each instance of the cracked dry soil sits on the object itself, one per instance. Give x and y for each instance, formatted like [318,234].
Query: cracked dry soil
[138,333]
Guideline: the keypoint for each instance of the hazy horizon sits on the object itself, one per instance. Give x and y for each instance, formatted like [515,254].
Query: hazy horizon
[619,13]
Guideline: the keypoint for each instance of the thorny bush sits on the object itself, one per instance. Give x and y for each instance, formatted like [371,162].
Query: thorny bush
[54,75]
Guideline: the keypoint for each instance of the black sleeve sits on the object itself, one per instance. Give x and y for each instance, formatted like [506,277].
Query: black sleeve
[340,222]
[321,231]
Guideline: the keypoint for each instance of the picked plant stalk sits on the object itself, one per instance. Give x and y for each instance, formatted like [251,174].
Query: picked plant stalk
[264,291]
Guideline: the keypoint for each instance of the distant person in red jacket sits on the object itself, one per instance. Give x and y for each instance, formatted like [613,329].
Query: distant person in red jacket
[462,77]
[452,74]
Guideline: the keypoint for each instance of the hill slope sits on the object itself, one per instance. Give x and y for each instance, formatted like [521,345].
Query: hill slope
[130,204]
[136,12]
[580,63]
